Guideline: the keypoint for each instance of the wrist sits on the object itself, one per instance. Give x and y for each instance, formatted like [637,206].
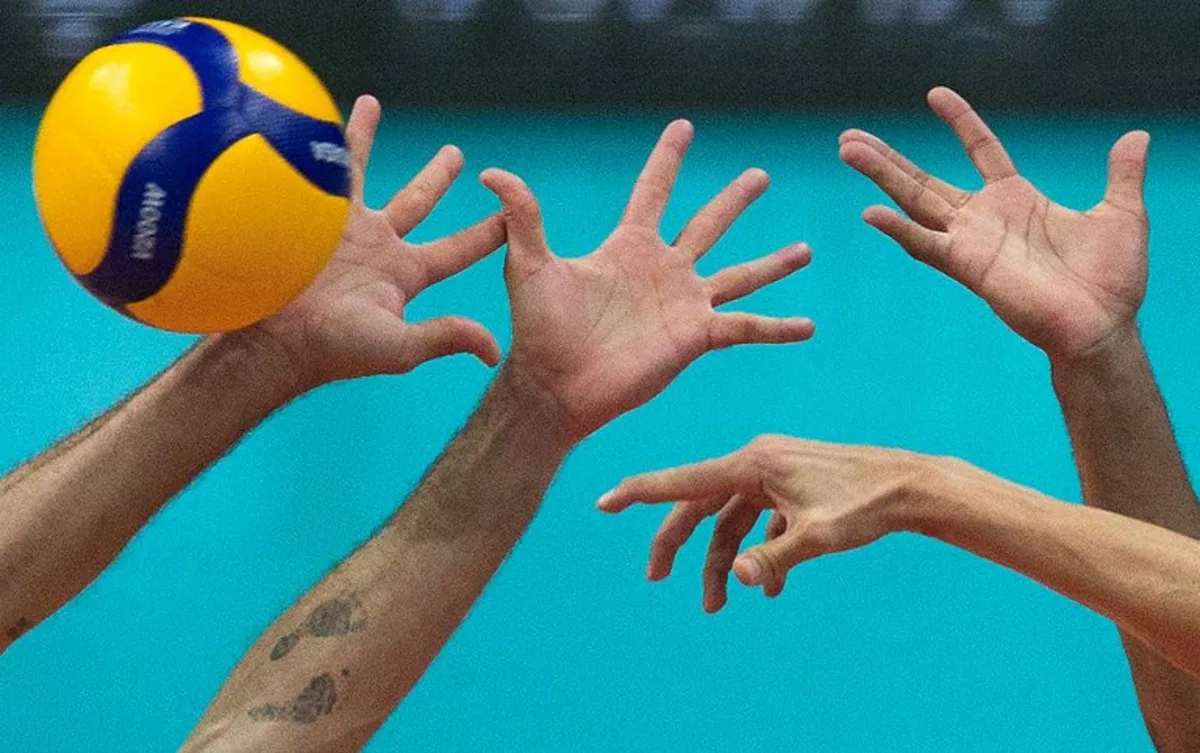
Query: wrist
[934,495]
[536,404]
[246,368]
[1111,355]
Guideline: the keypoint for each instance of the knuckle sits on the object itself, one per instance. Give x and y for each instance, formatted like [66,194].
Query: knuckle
[767,445]
[819,537]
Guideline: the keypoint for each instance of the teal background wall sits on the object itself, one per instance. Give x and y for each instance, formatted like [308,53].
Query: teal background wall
[905,646]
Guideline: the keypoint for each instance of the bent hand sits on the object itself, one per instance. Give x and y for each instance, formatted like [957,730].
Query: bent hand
[1066,281]
[824,499]
[350,322]
[603,334]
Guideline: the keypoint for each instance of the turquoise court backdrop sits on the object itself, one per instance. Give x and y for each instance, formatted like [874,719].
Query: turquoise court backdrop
[905,646]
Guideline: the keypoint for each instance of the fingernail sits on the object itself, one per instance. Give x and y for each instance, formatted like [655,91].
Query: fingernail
[605,500]
[750,570]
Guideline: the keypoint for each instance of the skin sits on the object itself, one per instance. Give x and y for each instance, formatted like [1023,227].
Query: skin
[1070,283]
[593,338]
[833,498]
[65,515]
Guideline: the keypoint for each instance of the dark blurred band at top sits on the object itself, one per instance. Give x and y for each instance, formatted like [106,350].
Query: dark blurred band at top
[1120,55]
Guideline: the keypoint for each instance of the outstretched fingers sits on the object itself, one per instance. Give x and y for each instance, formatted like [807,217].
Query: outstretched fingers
[738,282]
[984,149]
[734,523]
[914,194]
[715,219]
[360,138]
[952,194]
[775,528]
[449,256]
[653,188]
[711,479]
[417,200]
[929,246]
[676,529]
[729,330]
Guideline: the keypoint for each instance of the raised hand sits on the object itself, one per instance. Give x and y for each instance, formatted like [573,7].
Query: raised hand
[1066,281]
[350,322]
[825,498]
[602,334]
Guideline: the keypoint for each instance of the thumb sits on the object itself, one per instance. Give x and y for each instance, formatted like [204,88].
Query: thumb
[1127,172]
[770,561]
[522,215]
[448,335]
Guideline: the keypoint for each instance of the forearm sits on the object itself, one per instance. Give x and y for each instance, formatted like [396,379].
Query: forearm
[67,514]
[1129,463]
[1143,577]
[332,669]
[1128,458]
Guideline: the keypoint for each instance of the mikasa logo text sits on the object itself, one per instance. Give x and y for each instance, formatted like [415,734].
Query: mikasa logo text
[331,153]
[145,241]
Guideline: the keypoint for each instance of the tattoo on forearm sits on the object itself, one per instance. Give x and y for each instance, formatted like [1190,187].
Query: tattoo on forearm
[339,616]
[21,627]
[317,700]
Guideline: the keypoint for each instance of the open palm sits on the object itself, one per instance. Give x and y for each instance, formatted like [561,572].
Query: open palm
[1063,280]
[607,332]
[350,322]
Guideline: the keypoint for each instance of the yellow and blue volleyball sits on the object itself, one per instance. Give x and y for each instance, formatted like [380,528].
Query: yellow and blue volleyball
[193,174]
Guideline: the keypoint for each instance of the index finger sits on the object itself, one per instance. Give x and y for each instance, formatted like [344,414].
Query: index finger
[984,149]
[416,201]
[449,256]
[723,476]
[657,181]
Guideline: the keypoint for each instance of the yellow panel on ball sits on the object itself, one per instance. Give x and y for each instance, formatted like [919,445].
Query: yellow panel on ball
[258,233]
[271,69]
[114,103]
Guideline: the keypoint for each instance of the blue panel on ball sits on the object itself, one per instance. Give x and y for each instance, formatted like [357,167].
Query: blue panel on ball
[314,148]
[157,190]
[208,51]
[153,203]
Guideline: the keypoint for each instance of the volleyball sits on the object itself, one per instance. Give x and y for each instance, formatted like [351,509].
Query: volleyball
[193,175]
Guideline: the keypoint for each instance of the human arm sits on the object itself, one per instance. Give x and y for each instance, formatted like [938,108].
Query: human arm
[593,338]
[1130,464]
[834,498]
[65,515]
[1071,283]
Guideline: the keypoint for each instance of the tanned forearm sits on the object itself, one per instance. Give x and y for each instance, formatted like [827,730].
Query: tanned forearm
[1129,463]
[1143,577]
[67,514]
[328,673]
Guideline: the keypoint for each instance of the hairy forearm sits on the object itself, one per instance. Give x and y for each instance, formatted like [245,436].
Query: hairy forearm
[67,514]
[1129,463]
[331,670]
[1143,577]
[1128,458]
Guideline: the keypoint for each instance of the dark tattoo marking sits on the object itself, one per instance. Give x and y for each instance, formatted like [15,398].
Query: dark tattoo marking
[345,673]
[315,701]
[21,628]
[286,644]
[338,616]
